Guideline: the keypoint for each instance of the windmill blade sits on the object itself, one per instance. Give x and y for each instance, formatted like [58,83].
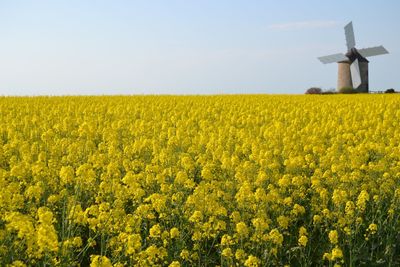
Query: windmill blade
[355,74]
[333,58]
[350,39]
[373,51]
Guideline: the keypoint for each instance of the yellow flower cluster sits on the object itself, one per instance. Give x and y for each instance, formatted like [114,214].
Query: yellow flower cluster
[240,180]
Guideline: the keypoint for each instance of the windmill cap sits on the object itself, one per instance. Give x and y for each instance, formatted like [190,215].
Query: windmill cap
[353,55]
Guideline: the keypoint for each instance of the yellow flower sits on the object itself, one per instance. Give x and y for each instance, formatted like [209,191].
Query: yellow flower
[227,253]
[197,216]
[174,264]
[196,236]
[174,232]
[240,255]
[185,254]
[349,209]
[260,224]
[53,199]
[67,174]
[336,253]
[302,231]
[241,229]
[283,221]
[362,200]
[155,231]
[333,237]
[46,234]
[317,219]
[372,228]
[347,230]
[17,264]
[252,261]
[327,256]
[226,240]
[207,174]
[181,178]
[298,210]
[133,243]
[276,237]
[303,240]
[235,216]
[150,178]
[77,241]
[99,261]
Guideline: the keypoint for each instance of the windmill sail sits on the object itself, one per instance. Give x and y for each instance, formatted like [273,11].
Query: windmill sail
[373,51]
[350,39]
[355,74]
[333,58]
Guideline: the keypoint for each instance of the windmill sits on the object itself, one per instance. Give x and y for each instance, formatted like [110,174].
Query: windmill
[353,66]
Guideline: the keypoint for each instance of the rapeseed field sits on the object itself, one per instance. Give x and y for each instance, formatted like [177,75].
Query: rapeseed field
[241,180]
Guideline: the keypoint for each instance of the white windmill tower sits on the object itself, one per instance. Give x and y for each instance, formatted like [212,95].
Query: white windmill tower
[353,66]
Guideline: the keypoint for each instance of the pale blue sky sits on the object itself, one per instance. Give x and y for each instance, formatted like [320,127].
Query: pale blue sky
[58,47]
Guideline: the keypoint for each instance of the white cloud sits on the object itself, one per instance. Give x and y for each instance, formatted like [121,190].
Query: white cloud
[302,25]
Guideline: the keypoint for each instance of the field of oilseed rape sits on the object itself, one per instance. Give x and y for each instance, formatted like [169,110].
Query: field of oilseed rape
[200,181]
